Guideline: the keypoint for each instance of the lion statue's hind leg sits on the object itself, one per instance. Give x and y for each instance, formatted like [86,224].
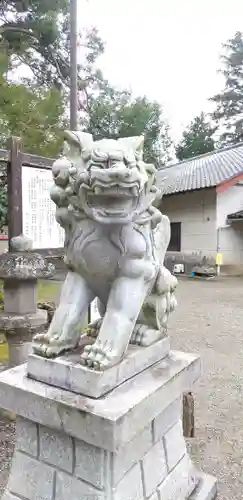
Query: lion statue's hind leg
[153,318]
[147,331]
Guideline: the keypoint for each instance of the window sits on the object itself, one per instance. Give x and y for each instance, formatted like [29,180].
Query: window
[175,239]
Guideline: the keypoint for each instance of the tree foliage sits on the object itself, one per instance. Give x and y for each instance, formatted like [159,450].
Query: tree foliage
[197,138]
[31,34]
[34,38]
[116,114]
[228,112]
[35,114]
[36,34]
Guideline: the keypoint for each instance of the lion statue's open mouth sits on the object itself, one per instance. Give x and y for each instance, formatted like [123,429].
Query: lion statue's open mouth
[116,200]
[112,201]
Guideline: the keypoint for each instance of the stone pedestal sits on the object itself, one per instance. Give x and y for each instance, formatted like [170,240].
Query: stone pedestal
[21,318]
[125,445]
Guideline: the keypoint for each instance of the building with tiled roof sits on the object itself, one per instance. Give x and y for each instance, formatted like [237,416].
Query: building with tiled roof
[203,197]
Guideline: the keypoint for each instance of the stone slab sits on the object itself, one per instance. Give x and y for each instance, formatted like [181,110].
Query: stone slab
[130,487]
[165,420]
[56,448]
[90,464]
[26,436]
[67,373]
[154,468]
[206,488]
[174,453]
[180,482]
[131,453]
[70,487]
[114,419]
[30,479]
[20,297]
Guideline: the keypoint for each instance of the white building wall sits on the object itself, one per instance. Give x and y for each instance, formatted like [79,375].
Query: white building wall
[230,237]
[196,210]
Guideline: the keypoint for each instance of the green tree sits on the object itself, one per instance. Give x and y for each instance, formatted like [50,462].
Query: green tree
[34,39]
[114,114]
[33,114]
[36,34]
[31,33]
[228,113]
[36,115]
[197,139]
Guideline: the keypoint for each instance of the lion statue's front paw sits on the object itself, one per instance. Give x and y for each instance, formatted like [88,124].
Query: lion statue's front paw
[100,356]
[51,346]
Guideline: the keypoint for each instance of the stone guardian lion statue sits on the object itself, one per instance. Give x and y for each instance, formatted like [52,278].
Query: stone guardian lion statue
[115,244]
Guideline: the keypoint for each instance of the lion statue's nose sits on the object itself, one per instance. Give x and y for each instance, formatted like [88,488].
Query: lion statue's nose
[119,173]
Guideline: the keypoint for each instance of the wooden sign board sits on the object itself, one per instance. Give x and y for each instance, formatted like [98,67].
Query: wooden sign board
[38,210]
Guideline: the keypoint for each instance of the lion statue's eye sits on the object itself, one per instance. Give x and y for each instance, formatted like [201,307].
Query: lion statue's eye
[99,156]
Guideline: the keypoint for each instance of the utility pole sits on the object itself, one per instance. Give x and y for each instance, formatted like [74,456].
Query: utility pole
[73,66]
[74,76]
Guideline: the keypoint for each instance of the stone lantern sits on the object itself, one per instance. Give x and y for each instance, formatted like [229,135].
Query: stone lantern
[20,319]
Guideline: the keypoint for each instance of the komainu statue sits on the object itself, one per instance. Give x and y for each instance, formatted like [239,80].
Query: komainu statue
[115,243]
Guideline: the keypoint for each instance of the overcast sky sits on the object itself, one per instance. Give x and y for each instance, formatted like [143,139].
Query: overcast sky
[167,50]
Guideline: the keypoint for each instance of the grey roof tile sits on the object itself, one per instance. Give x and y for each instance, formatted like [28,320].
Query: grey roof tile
[235,215]
[202,171]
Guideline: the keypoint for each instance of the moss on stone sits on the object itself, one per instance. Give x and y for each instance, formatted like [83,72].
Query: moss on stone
[48,291]
[148,311]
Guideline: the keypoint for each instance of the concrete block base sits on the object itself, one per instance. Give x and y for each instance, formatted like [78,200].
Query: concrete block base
[128,444]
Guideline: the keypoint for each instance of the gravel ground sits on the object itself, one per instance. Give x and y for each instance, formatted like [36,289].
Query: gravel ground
[208,320]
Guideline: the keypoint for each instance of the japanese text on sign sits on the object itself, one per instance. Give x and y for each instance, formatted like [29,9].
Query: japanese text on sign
[39,223]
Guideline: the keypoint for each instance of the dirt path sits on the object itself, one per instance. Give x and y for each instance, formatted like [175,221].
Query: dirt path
[209,320]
